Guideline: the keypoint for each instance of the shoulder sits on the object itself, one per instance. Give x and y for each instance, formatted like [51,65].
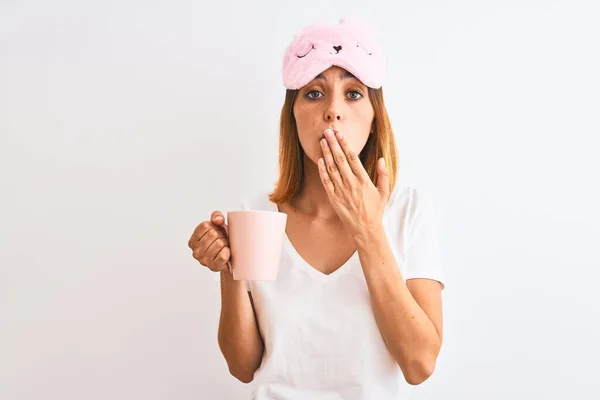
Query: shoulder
[409,201]
[257,200]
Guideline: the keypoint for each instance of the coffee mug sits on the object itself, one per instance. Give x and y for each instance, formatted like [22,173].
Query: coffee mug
[256,242]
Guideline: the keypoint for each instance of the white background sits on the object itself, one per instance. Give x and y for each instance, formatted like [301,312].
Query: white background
[123,124]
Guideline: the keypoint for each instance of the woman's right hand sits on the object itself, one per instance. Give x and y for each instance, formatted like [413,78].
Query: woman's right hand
[210,243]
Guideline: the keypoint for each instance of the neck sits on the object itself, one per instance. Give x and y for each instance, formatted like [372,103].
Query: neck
[312,198]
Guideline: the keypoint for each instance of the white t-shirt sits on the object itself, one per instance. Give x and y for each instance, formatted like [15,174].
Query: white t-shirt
[321,338]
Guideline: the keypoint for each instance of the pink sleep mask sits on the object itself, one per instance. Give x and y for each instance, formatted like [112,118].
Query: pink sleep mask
[349,44]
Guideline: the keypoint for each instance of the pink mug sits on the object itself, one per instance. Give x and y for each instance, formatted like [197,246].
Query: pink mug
[256,241]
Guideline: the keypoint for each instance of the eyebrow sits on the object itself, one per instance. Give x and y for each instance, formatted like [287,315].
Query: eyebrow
[347,75]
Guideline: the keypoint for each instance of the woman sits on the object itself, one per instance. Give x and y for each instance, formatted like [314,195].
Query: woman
[356,311]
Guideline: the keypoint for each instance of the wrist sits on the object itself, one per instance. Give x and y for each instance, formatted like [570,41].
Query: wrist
[368,234]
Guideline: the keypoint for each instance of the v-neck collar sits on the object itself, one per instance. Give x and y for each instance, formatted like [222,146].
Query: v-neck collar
[341,270]
[293,252]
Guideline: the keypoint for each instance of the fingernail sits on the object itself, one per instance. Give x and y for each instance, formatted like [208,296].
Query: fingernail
[339,135]
[328,132]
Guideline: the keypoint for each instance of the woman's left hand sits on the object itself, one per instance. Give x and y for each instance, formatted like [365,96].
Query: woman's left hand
[354,197]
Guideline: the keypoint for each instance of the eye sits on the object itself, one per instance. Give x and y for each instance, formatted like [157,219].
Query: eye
[303,52]
[366,51]
[315,94]
[356,93]
[310,94]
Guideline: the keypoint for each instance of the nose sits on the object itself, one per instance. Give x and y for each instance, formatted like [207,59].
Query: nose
[333,113]
[335,104]
[337,48]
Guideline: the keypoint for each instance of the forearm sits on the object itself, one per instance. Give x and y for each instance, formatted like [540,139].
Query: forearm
[409,334]
[239,337]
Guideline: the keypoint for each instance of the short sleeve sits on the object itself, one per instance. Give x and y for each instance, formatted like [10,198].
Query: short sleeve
[423,251]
